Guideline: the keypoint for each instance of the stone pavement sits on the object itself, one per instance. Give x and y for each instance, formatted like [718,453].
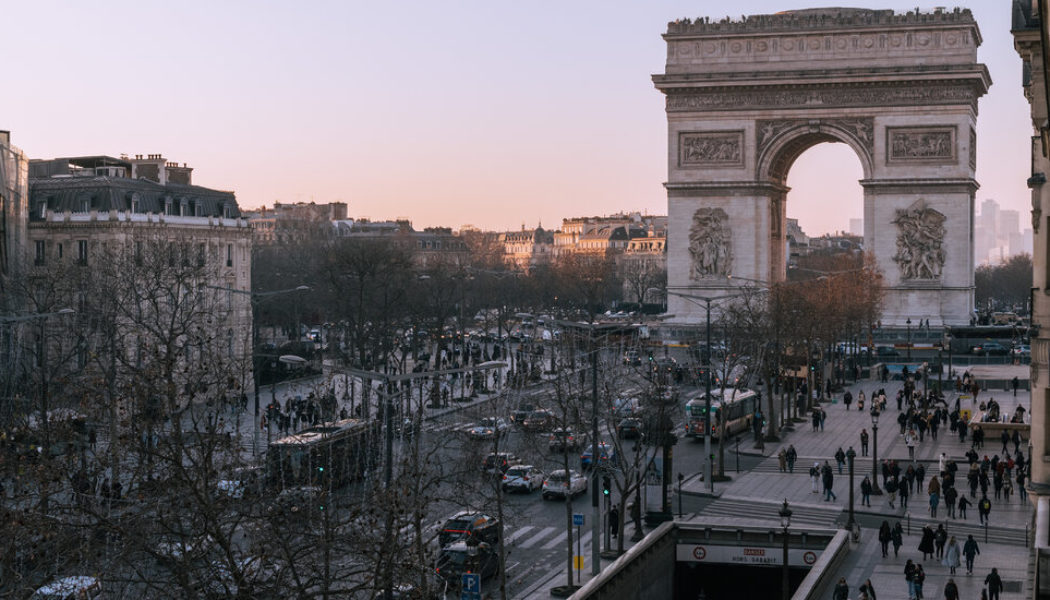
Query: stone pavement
[759,493]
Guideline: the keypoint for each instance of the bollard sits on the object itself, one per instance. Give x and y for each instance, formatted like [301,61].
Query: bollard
[907,515]
[986,531]
[1026,534]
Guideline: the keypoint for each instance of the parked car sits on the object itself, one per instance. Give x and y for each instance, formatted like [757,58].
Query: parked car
[606,455]
[1021,351]
[538,420]
[629,429]
[489,428]
[561,483]
[468,524]
[497,463]
[563,440]
[519,414]
[522,478]
[76,587]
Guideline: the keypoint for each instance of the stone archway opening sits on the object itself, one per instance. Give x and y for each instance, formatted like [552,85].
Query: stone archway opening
[825,191]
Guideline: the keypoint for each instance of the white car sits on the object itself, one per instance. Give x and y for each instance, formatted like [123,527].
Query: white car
[489,428]
[522,478]
[78,587]
[561,483]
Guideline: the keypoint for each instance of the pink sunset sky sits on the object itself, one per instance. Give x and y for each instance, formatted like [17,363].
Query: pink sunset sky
[487,113]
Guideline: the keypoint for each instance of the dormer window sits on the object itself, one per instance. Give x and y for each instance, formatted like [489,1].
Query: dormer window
[227,211]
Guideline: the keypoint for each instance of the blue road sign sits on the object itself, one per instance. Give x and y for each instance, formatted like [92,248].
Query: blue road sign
[471,588]
[577,520]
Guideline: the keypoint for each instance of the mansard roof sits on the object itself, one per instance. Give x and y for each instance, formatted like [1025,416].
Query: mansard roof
[103,194]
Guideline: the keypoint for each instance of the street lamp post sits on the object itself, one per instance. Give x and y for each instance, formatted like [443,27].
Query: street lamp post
[875,490]
[908,323]
[851,523]
[785,522]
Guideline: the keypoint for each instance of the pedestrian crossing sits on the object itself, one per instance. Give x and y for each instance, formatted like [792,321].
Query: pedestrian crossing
[543,538]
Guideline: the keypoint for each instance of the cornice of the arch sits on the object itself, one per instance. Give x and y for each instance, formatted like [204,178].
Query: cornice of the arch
[777,141]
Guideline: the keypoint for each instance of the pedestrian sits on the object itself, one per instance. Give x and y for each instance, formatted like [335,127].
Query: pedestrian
[951,591]
[823,416]
[816,419]
[926,543]
[868,588]
[885,536]
[935,495]
[614,522]
[984,508]
[897,536]
[865,491]
[814,477]
[891,490]
[840,458]
[909,441]
[904,491]
[782,460]
[920,475]
[950,496]
[792,455]
[1005,439]
[970,550]
[828,478]
[940,537]
[909,577]
[994,583]
[942,463]
[920,579]
[963,503]
[863,442]
[861,398]
[841,590]
[951,555]
[847,399]
[1015,383]
[1016,439]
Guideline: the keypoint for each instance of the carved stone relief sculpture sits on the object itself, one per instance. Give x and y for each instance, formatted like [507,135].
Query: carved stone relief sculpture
[714,148]
[710,244]
[924,144]
[920,240]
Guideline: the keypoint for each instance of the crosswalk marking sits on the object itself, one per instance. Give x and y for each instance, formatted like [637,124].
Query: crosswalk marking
[539,536]
[520,532]
[557,540]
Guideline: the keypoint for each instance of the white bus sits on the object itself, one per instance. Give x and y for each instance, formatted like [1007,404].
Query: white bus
[737,407]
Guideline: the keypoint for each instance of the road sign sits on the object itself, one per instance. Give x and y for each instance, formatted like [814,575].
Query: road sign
[471,588]
[577,520]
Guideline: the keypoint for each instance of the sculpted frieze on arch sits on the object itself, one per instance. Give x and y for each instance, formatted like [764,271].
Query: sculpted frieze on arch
[947,93]
[803,45]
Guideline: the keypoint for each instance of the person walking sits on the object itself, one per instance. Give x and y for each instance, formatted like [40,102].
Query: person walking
[963,503]
[841,590]
[891,486]
[897,537]
[940,537]
[868,588]
[814,477]
[950,496]
[885,536]
[909,577]
[840,458]
[984,508]
[865,491]
[791,456]
[909,441]
[926,543]
[1004,437]
[828,478]
[994,584]
[951,591]
[903,490]
[782,460]
[823,416]
[970,550]
[847,399]
[952,555]
[920,579]
[863,442]
[934,490]
[815,418]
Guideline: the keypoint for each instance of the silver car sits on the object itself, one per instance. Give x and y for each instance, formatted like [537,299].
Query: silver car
[522,478]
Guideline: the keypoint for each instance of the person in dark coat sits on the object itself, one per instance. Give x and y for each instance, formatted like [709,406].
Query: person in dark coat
[884,537]
[951,591]
[897,536]
[940,537]
[994,583]
[963,503]
[869,589]
[970,550]
[926,543]
[841,590]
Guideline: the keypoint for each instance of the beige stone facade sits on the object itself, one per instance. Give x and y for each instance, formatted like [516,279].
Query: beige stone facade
[744,99]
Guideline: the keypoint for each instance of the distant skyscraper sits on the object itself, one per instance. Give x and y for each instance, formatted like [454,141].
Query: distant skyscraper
[1009,224]
[856,227]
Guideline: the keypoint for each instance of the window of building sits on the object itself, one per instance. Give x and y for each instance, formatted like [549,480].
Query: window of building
[182,208]
[227,211]
[41,252]
[198,210]
[82,252]
[229,255]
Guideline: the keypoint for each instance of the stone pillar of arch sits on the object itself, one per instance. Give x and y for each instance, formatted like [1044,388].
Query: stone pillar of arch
[745,99]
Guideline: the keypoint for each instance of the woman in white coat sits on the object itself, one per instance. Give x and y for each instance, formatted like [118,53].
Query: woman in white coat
[952,554]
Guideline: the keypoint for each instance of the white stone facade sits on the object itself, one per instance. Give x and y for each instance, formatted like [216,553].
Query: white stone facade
[746,98]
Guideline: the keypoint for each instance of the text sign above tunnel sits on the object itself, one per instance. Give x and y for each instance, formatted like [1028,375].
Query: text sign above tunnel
[745,555]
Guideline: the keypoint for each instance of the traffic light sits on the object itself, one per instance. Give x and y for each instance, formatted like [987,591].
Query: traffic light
[606,485]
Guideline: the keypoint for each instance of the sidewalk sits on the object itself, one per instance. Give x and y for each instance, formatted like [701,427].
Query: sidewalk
[757,493]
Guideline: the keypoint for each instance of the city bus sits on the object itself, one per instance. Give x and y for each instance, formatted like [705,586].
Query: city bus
[328,455]
[738,407]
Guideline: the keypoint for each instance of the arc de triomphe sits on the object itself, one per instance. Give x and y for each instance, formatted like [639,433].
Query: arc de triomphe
[745,98]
